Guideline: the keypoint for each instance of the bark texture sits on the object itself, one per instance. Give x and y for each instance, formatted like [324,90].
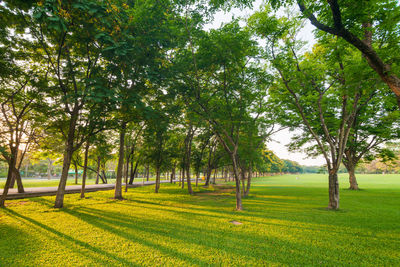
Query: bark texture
[333,190]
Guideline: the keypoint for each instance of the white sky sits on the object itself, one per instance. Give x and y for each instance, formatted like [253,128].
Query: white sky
[281,139]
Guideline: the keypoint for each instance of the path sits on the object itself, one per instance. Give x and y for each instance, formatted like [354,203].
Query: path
[71,189]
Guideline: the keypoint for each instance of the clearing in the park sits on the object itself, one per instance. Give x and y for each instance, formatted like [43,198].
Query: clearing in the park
[284,223]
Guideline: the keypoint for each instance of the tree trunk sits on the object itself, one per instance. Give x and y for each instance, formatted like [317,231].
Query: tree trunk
[237,181]
[8,182]
[98,170]
[249,176]
[12,183]
[76,173]
[214,177]
[173,175]
[333,190]
[197,178]
[148,173]
[353,180]
[243,178]
[118,180]
[351,169]
[64,176]
[18,178]
[85,163]
[104,177]
[157,188]
[188,155]
[225,175]
[69,149]
[134,172]
[208,177]
[189,182]
[126,173]
[183,178]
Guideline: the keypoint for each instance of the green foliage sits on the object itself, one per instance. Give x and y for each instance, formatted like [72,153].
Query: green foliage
[291,167]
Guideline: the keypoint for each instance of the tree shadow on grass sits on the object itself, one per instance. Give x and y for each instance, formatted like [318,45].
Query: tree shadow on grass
[246,218]
[231,241]
[94,252]
[237,247]
[110,223]
[13,255]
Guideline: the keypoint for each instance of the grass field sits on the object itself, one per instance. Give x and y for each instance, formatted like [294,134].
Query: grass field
[284,223]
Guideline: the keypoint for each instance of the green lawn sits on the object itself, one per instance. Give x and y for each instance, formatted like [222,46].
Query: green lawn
[284,223]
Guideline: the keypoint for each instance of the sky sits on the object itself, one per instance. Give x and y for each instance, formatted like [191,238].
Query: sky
[282,138]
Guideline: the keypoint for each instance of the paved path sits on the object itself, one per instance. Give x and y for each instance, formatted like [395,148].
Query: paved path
[71,189]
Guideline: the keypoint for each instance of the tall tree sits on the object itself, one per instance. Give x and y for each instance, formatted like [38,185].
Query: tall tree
[318,92]
[68,35]
[20,82]
[223,84]
[375,124]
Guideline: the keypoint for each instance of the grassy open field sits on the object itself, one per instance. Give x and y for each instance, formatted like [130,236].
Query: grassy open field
[284,223]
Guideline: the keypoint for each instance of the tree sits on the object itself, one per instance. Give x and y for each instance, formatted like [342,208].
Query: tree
[222,83]
[292,166]
[68,33]
[375,124]
[20,81]
[317,92]
[143,34]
